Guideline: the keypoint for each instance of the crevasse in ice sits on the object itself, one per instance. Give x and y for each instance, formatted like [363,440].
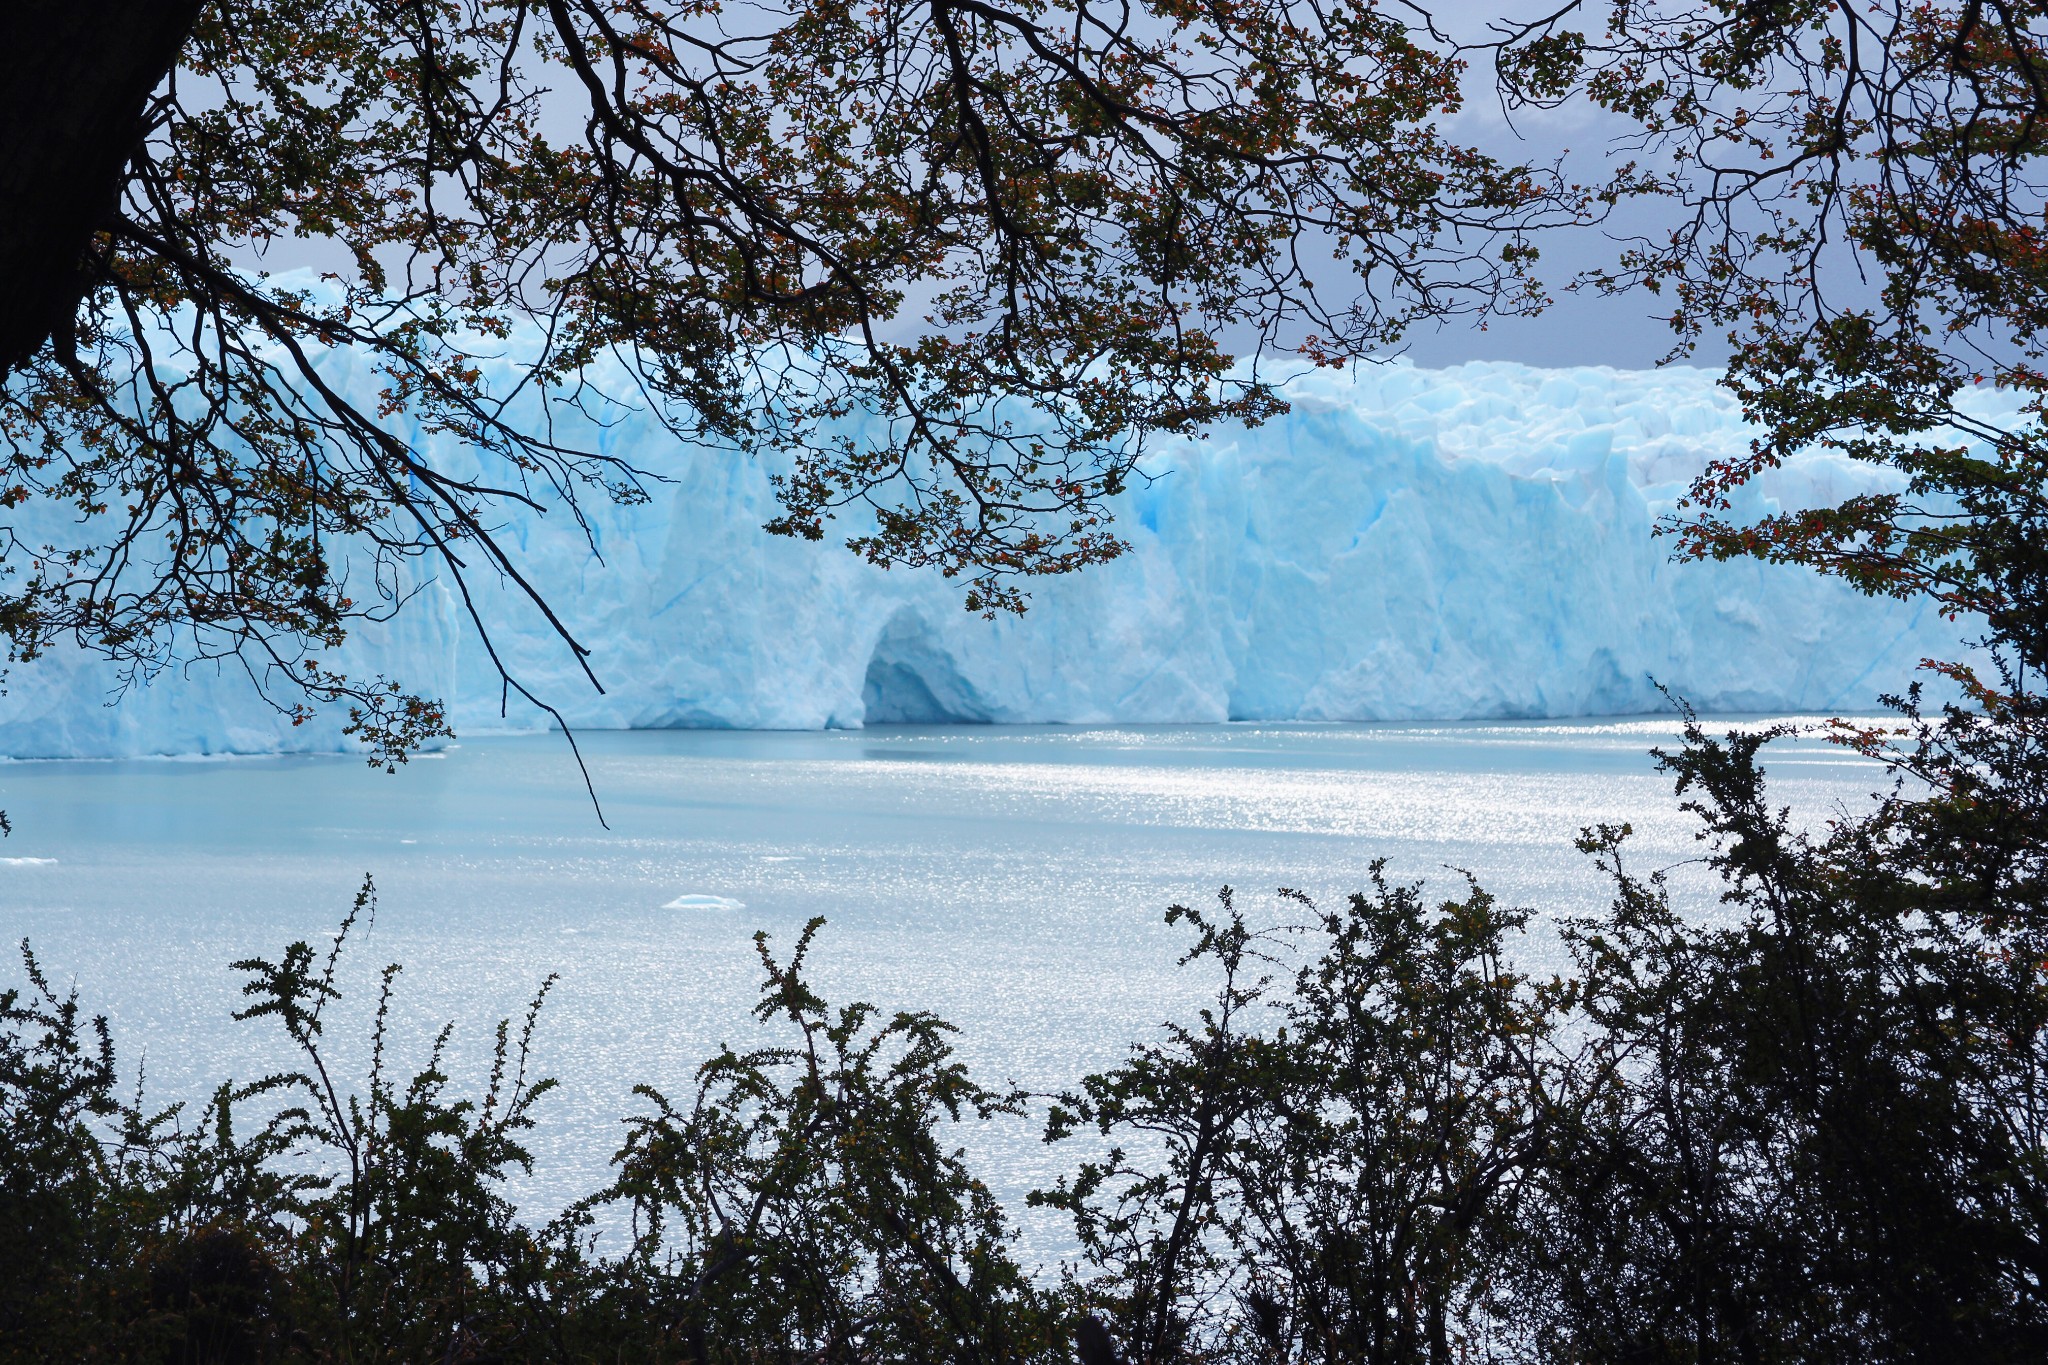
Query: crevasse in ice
[1406,543]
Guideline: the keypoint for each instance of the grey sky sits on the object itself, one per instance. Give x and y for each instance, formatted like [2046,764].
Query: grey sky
[1579,329]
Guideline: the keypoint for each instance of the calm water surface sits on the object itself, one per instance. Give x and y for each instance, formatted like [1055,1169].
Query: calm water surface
[1010,879]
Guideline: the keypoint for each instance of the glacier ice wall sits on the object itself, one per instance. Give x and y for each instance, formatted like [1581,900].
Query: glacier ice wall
[1405,544]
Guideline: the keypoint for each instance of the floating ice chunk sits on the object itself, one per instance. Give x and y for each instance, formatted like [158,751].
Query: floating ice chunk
[26,862]
[696,901]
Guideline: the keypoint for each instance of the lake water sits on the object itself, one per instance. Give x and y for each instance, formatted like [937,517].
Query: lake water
[1010,879]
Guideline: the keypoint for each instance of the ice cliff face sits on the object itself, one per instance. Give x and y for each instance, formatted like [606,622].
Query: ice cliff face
[1469,542]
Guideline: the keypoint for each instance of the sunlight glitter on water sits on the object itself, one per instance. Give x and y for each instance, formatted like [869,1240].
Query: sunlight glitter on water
[1010,879]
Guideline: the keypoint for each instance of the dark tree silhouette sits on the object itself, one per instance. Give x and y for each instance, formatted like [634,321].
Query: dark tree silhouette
[73,107]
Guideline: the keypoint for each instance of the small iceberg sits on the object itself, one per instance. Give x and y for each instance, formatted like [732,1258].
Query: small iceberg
[694,901]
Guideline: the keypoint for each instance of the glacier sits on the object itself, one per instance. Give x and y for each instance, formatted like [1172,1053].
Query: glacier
[1406,543]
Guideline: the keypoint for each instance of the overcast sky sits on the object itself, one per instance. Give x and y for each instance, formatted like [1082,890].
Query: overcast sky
[1580,329]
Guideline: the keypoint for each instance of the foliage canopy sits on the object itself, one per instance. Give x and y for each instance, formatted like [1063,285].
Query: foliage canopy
[1017,240]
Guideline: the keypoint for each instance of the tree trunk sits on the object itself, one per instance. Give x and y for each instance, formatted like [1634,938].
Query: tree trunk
[74,78]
